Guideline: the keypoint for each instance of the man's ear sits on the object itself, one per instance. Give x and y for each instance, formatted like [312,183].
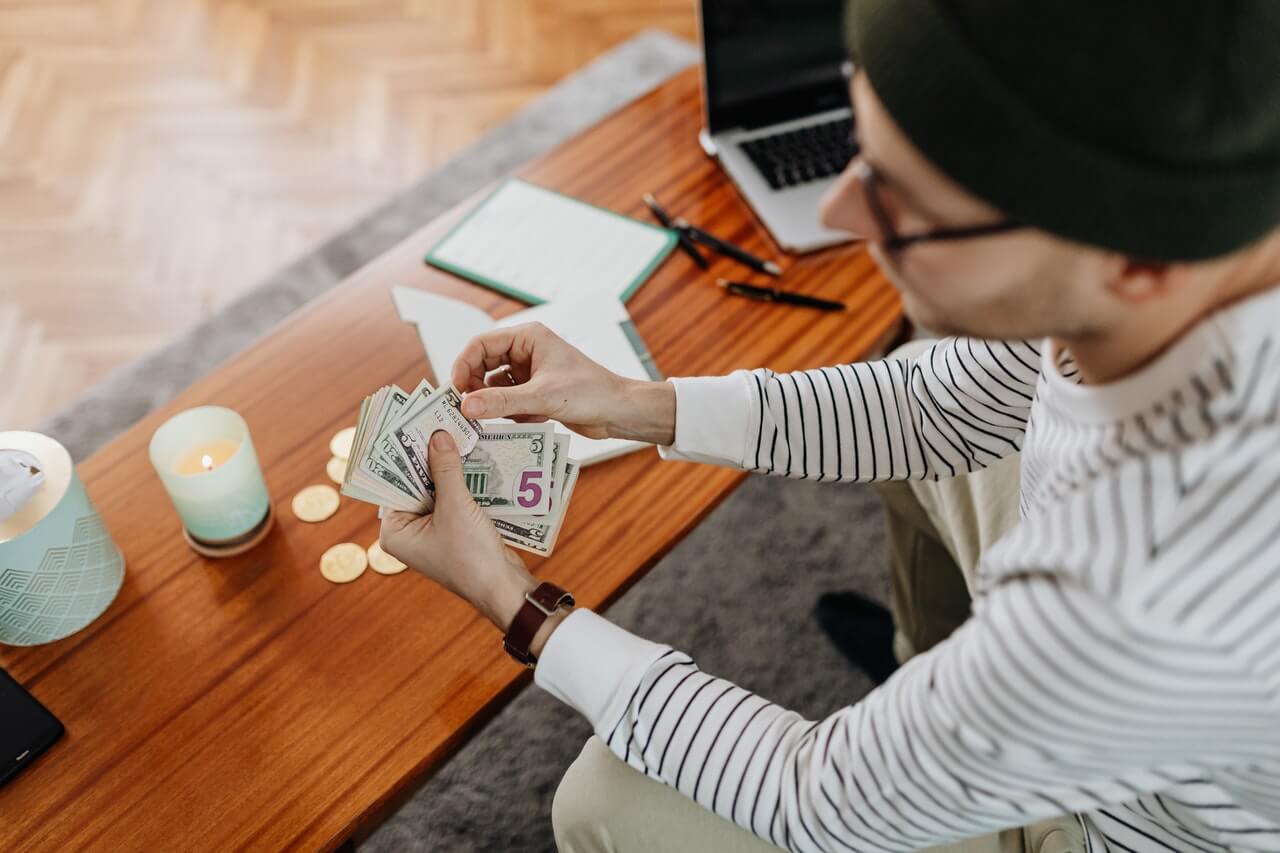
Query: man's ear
[1138,280]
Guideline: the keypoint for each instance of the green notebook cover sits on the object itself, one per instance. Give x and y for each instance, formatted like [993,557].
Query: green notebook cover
[523,296]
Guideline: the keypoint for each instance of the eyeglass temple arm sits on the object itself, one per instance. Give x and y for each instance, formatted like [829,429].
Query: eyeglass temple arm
[901,242]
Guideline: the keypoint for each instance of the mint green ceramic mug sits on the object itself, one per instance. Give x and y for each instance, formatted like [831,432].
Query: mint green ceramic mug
[59,568]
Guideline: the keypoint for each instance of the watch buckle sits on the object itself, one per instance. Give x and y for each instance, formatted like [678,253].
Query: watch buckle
[528,596]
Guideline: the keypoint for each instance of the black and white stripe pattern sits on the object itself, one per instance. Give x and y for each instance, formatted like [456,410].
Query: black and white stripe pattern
[961,406]
[1123,659]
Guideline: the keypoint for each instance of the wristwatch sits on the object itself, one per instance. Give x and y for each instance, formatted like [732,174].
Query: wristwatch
[538,604]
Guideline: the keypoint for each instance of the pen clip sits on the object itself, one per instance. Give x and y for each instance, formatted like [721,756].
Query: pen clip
[760,294]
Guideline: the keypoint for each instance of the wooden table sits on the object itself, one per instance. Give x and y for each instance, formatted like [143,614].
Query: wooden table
[248,703]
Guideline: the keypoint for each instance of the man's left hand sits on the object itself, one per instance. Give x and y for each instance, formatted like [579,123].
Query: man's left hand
[456,545]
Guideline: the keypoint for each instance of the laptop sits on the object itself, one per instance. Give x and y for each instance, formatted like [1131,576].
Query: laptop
[777,108]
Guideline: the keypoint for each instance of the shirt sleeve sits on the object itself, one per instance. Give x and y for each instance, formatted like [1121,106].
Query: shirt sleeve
[959,406]
[1046,702]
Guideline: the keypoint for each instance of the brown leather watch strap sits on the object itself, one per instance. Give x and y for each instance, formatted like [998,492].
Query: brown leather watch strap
[538,605]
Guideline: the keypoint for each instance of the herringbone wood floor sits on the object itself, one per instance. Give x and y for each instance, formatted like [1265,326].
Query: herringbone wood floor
[158,157]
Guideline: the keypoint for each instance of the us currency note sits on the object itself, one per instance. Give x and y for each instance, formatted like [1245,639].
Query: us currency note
[384,401]
[416,400]
[441,411]
[375,462]
[511,468]
[559,458]
[388,499]
[354,477]
[392,479]
[385,448]
[538,535]
[529,531]
[362,420]
[382,445]
[399,462]
[520,474]
[377,486]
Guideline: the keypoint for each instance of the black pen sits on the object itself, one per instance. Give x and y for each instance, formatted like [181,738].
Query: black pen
[738,254]
[773,294]
[685,243]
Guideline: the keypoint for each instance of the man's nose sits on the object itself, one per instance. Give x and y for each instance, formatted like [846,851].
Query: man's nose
[844,206]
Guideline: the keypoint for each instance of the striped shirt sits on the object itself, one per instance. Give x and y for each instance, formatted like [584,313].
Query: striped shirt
[1122,661]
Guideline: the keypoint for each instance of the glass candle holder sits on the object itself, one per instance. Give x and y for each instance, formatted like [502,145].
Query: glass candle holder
[206,460]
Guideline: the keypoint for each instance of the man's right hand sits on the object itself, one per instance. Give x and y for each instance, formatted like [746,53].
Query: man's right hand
[529,374]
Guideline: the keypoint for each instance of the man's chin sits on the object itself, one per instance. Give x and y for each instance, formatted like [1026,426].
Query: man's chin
[927,318]
[933,319]
[937,324]
[921,314]
[973,320]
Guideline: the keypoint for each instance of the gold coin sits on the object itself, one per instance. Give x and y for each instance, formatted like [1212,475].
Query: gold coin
[343,563]
[382,562]
[315,503]
[340,444]
[336,469]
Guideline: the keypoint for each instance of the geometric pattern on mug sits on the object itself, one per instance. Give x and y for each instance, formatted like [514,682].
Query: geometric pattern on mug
[69,589]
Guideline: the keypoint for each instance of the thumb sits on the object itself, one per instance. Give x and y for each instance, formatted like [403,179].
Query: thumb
[526,399]
[446,470]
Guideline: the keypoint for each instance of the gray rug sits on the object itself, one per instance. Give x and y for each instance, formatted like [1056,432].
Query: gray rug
[737,594]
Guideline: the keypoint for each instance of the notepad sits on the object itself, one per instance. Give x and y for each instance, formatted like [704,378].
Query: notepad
[540,246]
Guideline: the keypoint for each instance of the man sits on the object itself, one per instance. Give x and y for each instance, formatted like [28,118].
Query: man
[1088,196]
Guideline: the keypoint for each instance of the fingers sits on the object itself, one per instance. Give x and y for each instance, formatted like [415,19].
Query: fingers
[446,471]
[513,345]
[395,525]
[507,402]
[394,519]
[503,378]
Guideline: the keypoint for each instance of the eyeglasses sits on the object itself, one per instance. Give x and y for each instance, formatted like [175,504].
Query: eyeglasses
[894,242]
[870,180]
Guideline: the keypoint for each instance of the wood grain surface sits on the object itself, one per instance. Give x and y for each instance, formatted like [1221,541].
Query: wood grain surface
[140,138]
[250,704]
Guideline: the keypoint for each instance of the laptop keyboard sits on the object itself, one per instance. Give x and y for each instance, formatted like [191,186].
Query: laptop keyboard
[802,155]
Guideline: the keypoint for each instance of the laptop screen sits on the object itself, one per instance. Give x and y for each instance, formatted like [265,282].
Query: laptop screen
[767,61]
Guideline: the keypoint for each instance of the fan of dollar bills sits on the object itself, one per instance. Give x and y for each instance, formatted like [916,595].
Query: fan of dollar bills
[520,474]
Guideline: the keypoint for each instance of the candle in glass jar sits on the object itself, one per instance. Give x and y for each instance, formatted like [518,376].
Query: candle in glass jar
[206,460]
[207,456]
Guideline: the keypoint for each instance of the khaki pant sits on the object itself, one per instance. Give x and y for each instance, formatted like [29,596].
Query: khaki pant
[936,533]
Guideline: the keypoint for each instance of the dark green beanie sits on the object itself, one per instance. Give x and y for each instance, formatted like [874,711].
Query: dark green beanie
[1150,127]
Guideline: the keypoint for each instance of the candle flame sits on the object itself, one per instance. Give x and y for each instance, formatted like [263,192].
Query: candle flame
[207,462]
